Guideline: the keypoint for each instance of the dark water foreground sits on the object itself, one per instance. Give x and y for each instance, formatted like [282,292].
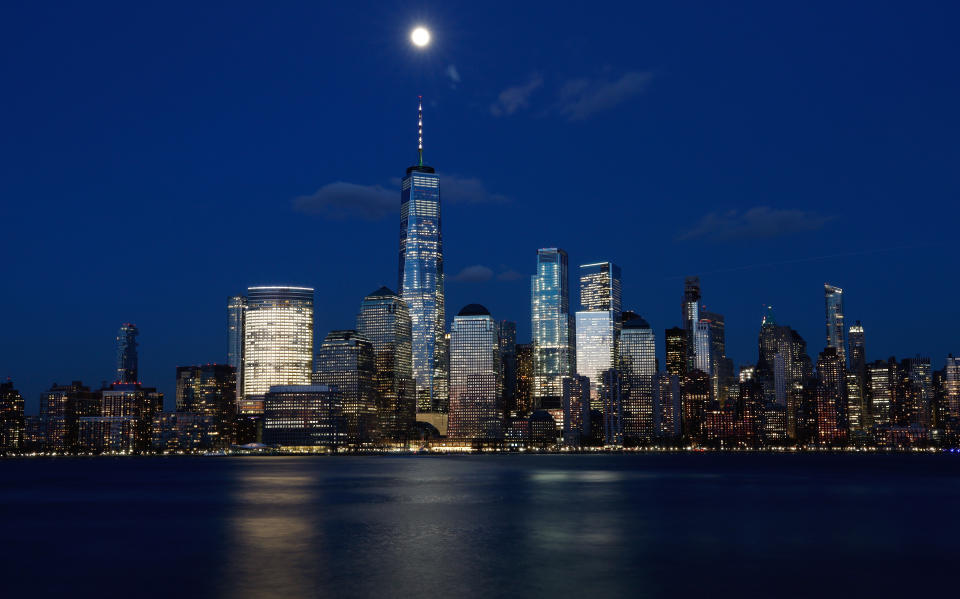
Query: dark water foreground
[687,525]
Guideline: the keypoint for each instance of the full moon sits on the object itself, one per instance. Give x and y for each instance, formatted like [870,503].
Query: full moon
[420,37]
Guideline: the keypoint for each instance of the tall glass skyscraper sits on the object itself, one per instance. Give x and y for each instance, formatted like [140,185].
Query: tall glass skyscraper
[385,321]
[236,311]
[553,335]
[346,361]
[690,314]
[833,301]
[596,340]
[277,342]
[638,365]
[421,279]
[600,287]
[127,364]
[475,389]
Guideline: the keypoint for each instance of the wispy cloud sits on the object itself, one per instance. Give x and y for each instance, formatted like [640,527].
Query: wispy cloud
[509,275]
[467,190]
[756,223]
[343,201]
[478,273]
[453,74]
[582,98]
[514,98]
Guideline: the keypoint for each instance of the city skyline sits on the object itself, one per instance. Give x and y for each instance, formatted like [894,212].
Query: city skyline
[798,214]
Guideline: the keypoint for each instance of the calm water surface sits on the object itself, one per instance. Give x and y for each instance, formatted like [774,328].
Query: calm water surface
[564,526]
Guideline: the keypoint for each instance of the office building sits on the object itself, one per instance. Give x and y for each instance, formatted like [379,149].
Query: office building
[236,316]
[667,406]
[303,416]
[833,302]
[690,315]
[12,422]
[127,363]
[421,279]
[476,412]
[507,335]
[277,342]
[385,320]
[524,393]
[638,365]
[552,328]
[346,361]
[61,407]
[208,390]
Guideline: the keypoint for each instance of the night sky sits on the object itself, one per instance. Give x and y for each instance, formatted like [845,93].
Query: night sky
[155,159]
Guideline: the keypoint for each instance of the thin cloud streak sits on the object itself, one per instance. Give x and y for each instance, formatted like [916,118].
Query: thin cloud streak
[760,222]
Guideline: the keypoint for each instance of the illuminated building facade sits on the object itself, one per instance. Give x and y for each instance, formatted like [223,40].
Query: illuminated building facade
[385,320]
[831,398]
[113,434]
[690,316]
[476,412]
[611,407]
[277,342]
[186,432]
[675,343]
[833,302]
[346,361]
[695,399]
[303,416]
[667,406]
[61,407]
[138,405]
[702,352]
[236,316]
[421,280]
[951,386]
[12,422]
[880,390]
[127,364]
[638,365]
[507,335]
[596,341]
[524,379]
[601,288]
[209,390]
[552,328]
[576,409]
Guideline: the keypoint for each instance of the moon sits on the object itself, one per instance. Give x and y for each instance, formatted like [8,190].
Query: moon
[420,37]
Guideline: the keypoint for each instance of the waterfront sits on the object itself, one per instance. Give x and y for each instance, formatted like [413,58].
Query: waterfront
[604,525]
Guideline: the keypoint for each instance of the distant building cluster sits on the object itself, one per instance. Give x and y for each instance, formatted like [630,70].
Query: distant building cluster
[589,378]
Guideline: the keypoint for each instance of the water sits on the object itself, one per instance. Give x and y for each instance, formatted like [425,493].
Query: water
[514,525]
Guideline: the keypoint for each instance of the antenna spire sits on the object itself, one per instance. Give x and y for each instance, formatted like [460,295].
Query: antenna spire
[420,128]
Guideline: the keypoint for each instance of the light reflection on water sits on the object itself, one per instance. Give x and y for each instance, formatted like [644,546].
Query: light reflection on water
[478,526]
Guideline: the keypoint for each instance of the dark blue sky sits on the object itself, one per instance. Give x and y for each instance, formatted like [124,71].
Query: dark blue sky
[157,158]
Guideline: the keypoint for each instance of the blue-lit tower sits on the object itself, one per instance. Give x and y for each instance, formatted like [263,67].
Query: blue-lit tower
[421,278]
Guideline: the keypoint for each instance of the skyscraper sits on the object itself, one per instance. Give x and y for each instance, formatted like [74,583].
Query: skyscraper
[833,301]
[421,279]
[881,376]
[951,386]
[553,335]
[507,334]
[690,315]
[675,342]
[210,390]
[61,407]
[12,421]
[524,379]
[127,365]
[638,365]
[346,361]
[702,348]
[277,342]
[666,389]
[303,416]
[236,312]
[475,391]
[831,399]
[600,287]
[385,321]
[598,323]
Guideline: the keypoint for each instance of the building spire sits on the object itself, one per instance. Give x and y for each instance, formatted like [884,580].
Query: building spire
[420,128]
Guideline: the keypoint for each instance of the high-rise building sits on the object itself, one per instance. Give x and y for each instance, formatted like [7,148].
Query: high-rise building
[186,432]
[61,407]
[277,342]
[703,359]
[524,379]
[666,401]
[951,386]
[914,393]
[833,301]
[475,389]
[596,348]
[385,320]
[421,279]
[858,409]
[12,422]
[638,365]
[675,344]
[303,416]
[611,407]
[553,334]
[507,335]
[721,367]
[600,288]
[690,315]
[208,390]
[127,364]
[346,361]
[881,378]
[695,399]
[831,403]
[576,409]
[236,314]
[136,404]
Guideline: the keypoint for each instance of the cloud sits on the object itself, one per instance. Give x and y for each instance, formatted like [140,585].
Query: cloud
[342,201]
[756,223]
[514,98]
[582,98]
[478,273]
[467,190]
[453,74]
